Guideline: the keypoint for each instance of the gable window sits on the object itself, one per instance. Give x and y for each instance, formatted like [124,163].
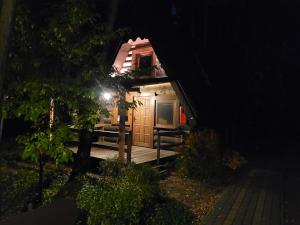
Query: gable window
[145,62]
[166,113]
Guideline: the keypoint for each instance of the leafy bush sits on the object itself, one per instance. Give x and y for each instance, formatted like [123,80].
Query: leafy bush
[121,202]
[57,182]
[18,188]
[234,160]
[205,160]
[170,212]
[112,167]
[202,160]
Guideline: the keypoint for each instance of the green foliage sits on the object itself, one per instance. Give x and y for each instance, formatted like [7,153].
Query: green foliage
[234,160]
[170,212]
[40,144]
[30,100]
[17,190]
[112,167]
[57,182]
[121,202]
[204,159]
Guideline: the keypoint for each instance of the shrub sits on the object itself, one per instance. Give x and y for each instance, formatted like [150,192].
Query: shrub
[121,202]
[18,188]
[170,212]
[57,182]
[112,167]
[202,159]
[205,160]
[234,160]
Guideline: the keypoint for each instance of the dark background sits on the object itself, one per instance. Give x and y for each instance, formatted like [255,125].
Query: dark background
[237,60]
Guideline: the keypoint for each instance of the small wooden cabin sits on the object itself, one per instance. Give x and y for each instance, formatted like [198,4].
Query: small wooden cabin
[164,104]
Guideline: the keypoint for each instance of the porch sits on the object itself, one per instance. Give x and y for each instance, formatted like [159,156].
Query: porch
[139,154]
[106,146]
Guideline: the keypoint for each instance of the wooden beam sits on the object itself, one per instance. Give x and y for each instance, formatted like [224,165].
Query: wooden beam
[107,133]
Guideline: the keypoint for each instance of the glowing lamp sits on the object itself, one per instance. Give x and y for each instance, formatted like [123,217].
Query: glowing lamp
[106,96]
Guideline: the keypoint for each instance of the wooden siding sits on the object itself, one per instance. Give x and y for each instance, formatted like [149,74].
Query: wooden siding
[142,119]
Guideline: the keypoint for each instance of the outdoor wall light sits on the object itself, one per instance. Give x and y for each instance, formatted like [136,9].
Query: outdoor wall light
[107,96]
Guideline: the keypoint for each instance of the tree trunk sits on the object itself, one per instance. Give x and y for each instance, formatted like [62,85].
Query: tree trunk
[6,22]
[41,179]
[1,128]
[82,158]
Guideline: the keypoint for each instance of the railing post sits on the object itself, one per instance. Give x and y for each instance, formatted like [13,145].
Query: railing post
[158,147]
[129,147]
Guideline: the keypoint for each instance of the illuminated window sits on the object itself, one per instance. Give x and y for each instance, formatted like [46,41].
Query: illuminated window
[166,114]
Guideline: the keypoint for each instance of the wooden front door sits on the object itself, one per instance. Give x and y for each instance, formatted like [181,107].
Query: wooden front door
[143,122]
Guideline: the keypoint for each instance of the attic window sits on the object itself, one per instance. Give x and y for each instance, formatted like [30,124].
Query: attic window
[145,61]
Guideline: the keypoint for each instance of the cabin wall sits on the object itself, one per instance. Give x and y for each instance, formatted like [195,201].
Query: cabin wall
[155,93]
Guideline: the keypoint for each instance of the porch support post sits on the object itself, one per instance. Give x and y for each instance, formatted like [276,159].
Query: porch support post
[122,113]
[158,147]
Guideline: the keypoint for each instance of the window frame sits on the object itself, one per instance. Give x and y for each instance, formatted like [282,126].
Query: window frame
[144,54]
[175,105]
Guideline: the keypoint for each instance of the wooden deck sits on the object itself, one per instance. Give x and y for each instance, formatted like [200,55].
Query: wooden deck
[138,154]
[257,200]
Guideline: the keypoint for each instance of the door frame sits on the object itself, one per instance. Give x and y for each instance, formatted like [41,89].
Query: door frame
[152,104]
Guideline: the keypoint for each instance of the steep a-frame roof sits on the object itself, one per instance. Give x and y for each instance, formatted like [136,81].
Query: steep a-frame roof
[179,51]
[127,60]
[127,57]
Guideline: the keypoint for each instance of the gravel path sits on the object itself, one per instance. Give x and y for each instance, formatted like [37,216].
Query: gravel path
[200,198]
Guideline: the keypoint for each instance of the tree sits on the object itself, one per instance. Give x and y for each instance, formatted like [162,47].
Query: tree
[44,143]
[66,54]
[6,22]
[78,38]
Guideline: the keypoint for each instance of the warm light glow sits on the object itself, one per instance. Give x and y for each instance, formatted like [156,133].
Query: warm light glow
[127,64]
[113,74]
[106,96]
[123,70]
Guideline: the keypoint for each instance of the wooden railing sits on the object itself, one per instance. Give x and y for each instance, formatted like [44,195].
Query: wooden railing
[116,134]
[167,133]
